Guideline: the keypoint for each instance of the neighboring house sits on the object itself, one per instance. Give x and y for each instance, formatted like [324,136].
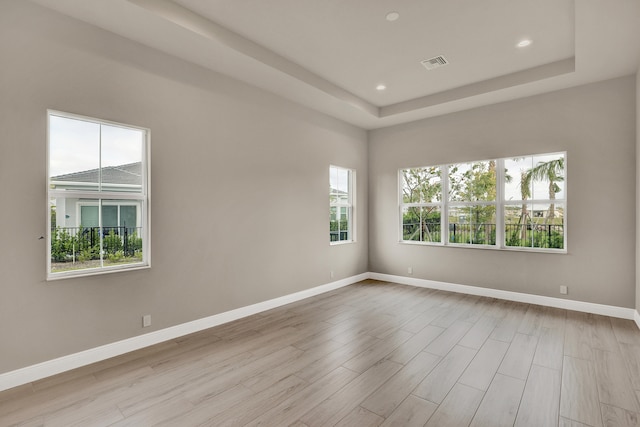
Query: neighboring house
[75,212]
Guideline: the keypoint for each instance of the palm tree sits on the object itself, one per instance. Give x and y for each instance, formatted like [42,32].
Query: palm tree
[548,171]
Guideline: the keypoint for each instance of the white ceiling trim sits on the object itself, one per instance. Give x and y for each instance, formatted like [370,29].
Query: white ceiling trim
[200,25]
[204,27]
[534,74]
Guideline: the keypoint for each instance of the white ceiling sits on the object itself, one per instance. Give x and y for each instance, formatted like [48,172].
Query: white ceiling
[331,54]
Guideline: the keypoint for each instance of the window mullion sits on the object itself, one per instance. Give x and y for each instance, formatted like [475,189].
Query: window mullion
[500,203]
[444,217]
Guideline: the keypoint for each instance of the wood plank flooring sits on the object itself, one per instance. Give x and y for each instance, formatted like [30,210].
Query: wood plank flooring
[370,354]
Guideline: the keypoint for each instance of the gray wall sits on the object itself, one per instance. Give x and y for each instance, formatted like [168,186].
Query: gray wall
[595,124]
[239,188]
[638,190]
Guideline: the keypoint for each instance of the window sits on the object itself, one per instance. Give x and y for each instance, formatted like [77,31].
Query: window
[421,204]
[341,185]
[472,203]
[534,194]
[504,203]
[97,196]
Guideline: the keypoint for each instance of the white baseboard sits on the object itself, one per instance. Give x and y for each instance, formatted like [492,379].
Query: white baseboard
[66,363]
[587,307]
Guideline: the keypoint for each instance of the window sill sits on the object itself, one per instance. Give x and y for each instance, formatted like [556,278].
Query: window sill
[52,277]
[342,242]
[488,247]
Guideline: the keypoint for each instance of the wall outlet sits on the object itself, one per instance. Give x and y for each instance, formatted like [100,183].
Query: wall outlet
[410,270]
[331,274]
[146,320]
[564,290]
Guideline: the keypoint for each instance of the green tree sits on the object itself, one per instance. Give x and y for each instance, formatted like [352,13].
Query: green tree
[422,185]
[475,182]
[525,193]
[551,171]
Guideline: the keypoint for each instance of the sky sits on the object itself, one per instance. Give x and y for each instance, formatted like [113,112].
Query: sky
[75,145]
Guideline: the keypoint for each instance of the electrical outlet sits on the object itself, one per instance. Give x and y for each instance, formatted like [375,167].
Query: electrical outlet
[146,320]
[410,270]
[564,290]
[331,274]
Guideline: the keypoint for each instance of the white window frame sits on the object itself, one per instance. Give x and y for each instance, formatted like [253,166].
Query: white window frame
[500,203]
[100,197]
[350,205]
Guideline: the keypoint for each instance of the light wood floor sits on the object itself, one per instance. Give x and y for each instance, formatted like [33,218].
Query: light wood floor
[369,354]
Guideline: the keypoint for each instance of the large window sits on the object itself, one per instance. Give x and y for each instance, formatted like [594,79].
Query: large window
[97,196]
[511,203]
[341,197]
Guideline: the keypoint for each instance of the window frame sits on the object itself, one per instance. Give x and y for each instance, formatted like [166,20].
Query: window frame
[101,198]
[500,204]
[350,205]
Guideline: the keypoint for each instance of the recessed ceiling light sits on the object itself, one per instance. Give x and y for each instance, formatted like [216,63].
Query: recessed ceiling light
[381,87]
[392,16]
[524,43]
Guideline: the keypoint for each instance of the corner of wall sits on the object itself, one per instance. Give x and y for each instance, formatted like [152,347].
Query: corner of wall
[637,194]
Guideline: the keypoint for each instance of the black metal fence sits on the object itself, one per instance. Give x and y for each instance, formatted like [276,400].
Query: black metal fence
[70,243]
[535,235]
[475,234]
[529,235]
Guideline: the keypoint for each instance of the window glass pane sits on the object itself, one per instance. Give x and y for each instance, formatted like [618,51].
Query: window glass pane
[421,185]
[343,225]
[517,185]
[547,177]
[339,223]
[122,158]
[535,177]
[421,224]
[517,225]
[472,224]
[76,241]
[483,224]
[472,181]
[74,154]
[333,184]
[535,226]
[459,224]
[334,231]
[74,246]
[548,226]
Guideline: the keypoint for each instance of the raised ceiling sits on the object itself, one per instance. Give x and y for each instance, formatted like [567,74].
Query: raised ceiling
[331,54]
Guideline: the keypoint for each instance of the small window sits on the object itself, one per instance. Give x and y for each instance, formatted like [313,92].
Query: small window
[97,196]
[341,197]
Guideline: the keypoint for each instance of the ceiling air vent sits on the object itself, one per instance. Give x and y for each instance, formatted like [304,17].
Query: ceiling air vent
[435,62]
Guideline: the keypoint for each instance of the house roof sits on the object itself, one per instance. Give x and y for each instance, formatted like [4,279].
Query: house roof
[129,174]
